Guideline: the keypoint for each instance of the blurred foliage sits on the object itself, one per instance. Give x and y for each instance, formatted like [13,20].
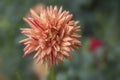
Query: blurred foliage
[98,18]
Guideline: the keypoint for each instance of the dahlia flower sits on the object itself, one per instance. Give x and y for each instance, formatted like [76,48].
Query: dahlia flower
[52,35]
[94,44]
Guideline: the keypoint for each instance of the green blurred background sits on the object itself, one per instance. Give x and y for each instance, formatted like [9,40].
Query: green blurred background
[97,59]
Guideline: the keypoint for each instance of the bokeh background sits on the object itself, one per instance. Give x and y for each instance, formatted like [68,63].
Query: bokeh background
[97,59]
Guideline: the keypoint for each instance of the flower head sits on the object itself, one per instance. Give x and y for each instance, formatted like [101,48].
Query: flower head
[94,44]
[52,35]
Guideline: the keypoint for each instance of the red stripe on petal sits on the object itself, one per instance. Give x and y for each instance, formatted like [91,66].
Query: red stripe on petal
[38,25]
[52,58]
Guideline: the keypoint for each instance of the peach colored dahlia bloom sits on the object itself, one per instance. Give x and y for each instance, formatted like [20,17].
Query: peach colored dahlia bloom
[52,35]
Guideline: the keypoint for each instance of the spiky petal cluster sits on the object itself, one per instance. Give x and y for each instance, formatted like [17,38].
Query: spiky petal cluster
[52,35]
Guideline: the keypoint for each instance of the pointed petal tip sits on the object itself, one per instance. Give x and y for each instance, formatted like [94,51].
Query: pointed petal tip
[20,41]
[35,57]
[24,54]
[24,18]
[32,12]
[21,28]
